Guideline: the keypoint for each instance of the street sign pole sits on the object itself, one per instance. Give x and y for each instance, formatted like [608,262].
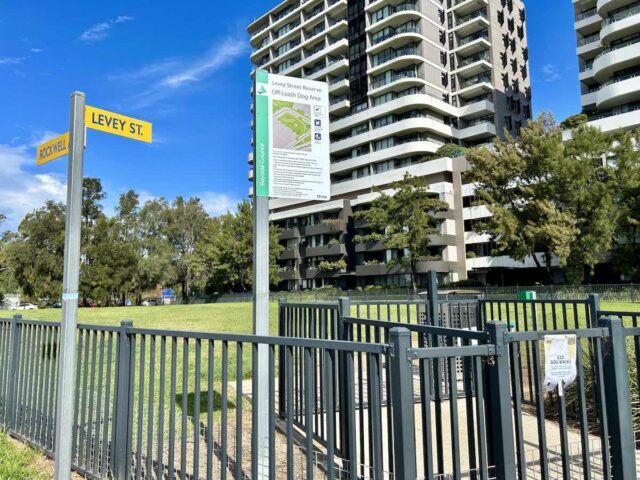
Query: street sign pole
[261,308]
[64,405]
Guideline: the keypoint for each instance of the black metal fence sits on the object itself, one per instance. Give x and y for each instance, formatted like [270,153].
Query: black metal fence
[433,390]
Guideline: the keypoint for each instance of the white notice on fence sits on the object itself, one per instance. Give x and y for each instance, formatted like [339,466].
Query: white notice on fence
[559,361]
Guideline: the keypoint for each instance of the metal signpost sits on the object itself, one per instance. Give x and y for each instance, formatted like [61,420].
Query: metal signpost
[291,160]
[73,143]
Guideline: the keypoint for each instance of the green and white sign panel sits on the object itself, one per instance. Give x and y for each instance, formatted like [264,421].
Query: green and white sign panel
[292,138]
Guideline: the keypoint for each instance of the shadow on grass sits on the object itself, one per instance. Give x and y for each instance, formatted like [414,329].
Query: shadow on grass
[204,402]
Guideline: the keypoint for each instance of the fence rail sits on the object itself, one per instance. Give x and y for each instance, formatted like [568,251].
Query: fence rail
[432,389]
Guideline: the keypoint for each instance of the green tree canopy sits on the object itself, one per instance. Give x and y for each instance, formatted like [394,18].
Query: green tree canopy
[405,220]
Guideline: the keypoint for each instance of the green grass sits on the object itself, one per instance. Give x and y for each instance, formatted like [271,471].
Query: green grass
[18,462]
[218,317]
[296,125]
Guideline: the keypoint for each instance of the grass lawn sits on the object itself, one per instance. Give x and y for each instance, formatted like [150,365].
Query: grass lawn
[18,462]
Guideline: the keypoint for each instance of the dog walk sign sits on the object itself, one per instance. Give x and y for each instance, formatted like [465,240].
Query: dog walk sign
[292,137]
[559,361]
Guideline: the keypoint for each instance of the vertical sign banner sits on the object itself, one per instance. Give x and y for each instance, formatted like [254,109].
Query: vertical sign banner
[292,138]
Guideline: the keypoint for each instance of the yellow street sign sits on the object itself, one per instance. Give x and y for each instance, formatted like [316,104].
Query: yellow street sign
[117,124]
[54,148]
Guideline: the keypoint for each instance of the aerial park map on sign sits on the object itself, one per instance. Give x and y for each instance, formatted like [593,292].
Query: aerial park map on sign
[291,125]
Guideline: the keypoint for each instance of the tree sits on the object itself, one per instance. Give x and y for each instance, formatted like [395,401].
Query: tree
[574,121]
[185,225]
[512,181]
[7,278]
[405,220]
[450,150]
[92,195]
[548,196]
[36,255]
[226,252]
[626,250]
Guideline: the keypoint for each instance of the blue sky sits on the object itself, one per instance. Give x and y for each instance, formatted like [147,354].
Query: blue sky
[185,67]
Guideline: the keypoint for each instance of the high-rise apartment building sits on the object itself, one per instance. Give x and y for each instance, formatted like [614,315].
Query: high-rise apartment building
[608,47]
[406,77]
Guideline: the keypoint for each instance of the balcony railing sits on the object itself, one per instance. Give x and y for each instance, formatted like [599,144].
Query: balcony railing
[475,36]
[380,59]
[586,66]
[475,81]
[475,58]
[339,99]
[398,31]
[394,77]
[586,14]
[480,121]
[587,40]
[478,13]
[619,46]
[403,7]
[621,15]
[621,78]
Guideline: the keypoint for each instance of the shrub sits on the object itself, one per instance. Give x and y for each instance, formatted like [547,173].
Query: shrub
[450,150]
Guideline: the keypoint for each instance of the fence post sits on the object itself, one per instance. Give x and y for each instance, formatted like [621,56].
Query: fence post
[618,397]
[594,307]
[432,292]
[346,390]
[499,405]
[281,377]
[401,372]
[12,374]
[123,415]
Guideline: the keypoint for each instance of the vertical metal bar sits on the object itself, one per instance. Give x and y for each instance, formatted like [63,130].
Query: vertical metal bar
[329,371]
[516,386]
[309,395]
[172,408]
[239,350]
[282,332]
[139,432]
[161,394]
[121,450]
[95,458]
[481,418]
[288,364]
[185,407]
[210,407]
[82,427]
[601,403]
[403,416]
[564,441]
[196,411]
[64,410]
[224,415]
[150,411]
[14,357]
[272,420]
[453,412]
[500,405]
[375,417]
[89,428]
[618,397]
[106,421]
[584,425]
[539,399]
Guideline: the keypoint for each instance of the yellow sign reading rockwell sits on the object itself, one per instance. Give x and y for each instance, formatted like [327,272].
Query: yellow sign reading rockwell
[54,148]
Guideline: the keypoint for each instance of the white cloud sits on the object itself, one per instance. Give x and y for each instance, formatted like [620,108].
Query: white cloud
[100,31]
[217,203]
[10,60]
[168,77]
[550,73]
[40,136]
[36,50]
[22,191]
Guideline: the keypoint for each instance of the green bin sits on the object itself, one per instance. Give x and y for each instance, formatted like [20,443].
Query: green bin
[527,295]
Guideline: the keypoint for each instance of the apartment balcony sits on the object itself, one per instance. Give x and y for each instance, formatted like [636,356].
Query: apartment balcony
[290,274]
[618,92]
[611,122]
[588,47]
[399,59]
[250,158]
[465,7]
[311,273]
[340,105]
[403,14]
[289,233]
[325,250]
[395,39]
[475,65]
[478,129]
[472,23]
[481,107]
[334,66]
[606,6]
[588,21]
[473,44]
[620,24]
[588,98]
[475,86]
[290,254]
[397,81]
[385,269]
[339,86]
[250,175]
[372,246]
[327,226]
[586,72]
[615,59]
